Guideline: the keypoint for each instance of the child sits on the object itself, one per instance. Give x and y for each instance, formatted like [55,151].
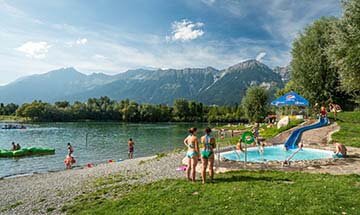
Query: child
[341,151]
[69,161]
[323,112]
[70,149]
[131,144]
[238,146]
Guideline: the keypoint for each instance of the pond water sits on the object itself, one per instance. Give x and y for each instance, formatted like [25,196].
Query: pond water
[105,141]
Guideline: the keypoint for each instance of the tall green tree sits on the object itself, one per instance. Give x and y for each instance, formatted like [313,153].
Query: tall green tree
[311,71]
[255,103]
[344,52]
[181,109]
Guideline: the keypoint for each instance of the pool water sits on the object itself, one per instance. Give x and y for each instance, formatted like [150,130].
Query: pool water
[277,153]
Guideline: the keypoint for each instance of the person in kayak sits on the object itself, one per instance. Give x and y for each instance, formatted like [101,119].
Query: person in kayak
[207,155]
[191,142]
[18,147]
[131,144]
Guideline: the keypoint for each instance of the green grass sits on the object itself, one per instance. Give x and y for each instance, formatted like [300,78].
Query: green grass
[232,127]
[242,192]
[273,131]
[264,132]
[9,207]
[349,133]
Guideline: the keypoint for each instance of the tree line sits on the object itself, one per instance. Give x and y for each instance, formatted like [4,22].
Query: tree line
[105,109]
[254,108]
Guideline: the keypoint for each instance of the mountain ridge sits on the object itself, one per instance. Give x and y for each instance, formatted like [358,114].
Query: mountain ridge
[208,85]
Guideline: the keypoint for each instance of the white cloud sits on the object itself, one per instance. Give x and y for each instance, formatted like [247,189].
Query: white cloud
[99,57]
[81,41]
[36,50]
[260,56]
[185,30]
[209,2]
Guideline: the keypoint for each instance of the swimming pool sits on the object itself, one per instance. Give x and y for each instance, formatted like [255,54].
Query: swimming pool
[277,153]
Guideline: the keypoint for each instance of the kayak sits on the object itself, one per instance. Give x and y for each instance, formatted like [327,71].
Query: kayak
[26,152]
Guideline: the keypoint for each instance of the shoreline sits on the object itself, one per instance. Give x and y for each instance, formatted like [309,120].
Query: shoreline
[41,192]
[76,167]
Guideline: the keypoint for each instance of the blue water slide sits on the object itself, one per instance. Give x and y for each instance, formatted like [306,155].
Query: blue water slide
[295,136]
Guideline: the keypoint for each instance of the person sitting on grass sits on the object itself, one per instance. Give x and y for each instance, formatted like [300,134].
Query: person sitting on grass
[340,150]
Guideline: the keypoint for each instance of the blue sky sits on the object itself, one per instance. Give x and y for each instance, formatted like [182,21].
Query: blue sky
[113,36]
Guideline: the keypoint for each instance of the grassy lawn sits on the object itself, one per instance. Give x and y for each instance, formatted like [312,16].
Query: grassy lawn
[273,131]
[264,132]
[349,133]
[242,192]
[233,127]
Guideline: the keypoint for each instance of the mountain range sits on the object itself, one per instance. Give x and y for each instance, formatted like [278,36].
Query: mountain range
[207,85]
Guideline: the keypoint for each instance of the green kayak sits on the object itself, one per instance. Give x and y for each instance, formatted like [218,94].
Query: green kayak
[26,152]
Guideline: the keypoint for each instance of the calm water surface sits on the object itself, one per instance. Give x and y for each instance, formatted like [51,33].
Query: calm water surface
[105,141]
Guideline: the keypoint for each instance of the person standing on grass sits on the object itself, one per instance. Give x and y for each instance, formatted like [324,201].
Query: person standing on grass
[192,144]
[131,144]
[207,155]
[334,108]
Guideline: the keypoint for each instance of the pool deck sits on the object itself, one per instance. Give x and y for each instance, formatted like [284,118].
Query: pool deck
[318,139]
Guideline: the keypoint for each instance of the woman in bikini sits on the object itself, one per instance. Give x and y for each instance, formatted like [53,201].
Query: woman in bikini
[192,154]
[207,154]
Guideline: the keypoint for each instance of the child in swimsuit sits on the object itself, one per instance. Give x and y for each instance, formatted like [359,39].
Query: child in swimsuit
[70,149]
[131,144]
[341,151]
[207,154]
[192,153]
[69,161]
[323,111]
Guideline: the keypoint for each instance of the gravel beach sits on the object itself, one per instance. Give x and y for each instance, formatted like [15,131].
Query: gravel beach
[42,193]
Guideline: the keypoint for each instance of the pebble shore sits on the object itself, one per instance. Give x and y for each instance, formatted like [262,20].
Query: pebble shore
[39,193]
